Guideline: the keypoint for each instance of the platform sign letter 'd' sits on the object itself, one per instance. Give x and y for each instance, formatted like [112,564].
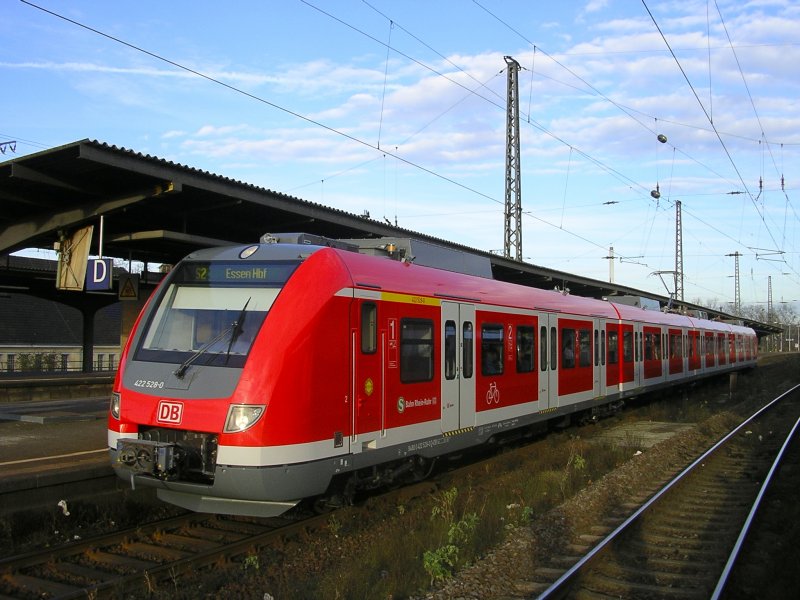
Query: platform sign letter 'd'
[98,274]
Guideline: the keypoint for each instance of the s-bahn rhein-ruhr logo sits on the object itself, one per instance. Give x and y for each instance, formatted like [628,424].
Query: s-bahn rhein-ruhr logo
[170,412]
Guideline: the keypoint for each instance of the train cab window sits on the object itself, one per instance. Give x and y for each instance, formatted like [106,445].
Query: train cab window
[613,347]
[467,358]
[450,343]
[492,349]
[525,347]
[416,350]
[567,348]
[209,313]
[369,328]
[543,348]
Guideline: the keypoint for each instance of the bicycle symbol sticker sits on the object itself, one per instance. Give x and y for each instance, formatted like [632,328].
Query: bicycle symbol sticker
[493,395]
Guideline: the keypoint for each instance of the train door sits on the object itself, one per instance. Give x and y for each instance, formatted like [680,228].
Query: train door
[711,350]
[368,355]
[674,353]
[578,376]
[458,366]
[629,378]
[638,354]
[548,361]
[599,350]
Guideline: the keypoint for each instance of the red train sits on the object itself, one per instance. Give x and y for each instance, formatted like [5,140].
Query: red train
[258,376]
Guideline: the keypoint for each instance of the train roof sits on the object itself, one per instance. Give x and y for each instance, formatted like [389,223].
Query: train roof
[396,276]
[409,278]
[386,273]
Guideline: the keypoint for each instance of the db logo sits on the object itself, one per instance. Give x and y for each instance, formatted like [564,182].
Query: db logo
[170,412]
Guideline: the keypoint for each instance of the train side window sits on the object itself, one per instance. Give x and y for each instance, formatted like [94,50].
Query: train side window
[596,348]
[627,346]
[603,347]
[525,346]
[585,341]
[450,350]
[553,349]
[492,349]
[416,350]
[675,350]
[613,347]
[467,359]
[369,328]
[567,348]
[543,348]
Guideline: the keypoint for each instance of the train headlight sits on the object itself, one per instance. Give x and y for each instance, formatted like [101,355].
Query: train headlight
[242,417]
[114,408]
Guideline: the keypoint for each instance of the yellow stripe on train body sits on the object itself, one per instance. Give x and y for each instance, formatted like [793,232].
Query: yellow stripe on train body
[410,299]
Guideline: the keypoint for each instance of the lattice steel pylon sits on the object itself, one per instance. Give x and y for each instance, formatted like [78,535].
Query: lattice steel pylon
[678,253]
[737,297]
[513,207]
[770,315]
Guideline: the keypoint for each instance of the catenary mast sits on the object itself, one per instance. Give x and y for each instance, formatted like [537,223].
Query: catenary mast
[513,206]
[678,253]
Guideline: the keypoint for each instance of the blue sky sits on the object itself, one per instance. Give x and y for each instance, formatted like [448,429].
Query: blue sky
[398,109]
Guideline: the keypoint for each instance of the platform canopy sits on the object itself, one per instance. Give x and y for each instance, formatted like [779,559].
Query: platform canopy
[157,211]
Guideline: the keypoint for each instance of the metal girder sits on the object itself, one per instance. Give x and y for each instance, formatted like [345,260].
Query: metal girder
[17,234]
[20,171]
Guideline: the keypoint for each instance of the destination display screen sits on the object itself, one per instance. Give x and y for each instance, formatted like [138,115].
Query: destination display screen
[233,273]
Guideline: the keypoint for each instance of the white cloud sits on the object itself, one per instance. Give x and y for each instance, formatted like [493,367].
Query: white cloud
[457,137]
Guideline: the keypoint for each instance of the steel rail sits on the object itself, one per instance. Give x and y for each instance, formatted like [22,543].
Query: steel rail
[726,572]
[561,584]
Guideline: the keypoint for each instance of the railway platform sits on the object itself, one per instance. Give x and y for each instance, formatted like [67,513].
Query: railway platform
[54,386]
[51,443]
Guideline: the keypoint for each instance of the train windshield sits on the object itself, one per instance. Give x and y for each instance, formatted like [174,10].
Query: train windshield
[210,313]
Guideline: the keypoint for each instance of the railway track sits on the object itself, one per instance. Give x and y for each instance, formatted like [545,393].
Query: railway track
[93,574]
[140,557]
[682,542]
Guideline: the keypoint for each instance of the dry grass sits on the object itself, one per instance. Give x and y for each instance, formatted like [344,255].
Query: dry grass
[378,549]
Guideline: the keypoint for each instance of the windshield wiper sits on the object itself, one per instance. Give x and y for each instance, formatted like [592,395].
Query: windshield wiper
[235,327]
[238,327]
